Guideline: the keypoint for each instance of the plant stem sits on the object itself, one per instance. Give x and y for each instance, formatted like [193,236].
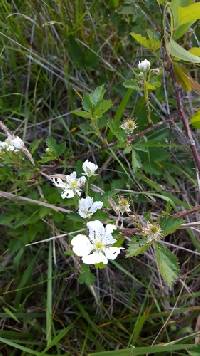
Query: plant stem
[184,119]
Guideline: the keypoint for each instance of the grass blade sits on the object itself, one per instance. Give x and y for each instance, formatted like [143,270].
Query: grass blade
[49,298]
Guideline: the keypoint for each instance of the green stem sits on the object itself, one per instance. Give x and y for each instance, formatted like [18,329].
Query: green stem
[146,98]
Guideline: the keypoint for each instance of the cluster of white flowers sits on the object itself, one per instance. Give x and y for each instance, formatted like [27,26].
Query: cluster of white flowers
[12,143]
[97,246]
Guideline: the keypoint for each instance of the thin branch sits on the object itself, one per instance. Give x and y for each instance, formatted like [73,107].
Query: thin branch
[47,240]
[11,196]
[184,119]
[184,213]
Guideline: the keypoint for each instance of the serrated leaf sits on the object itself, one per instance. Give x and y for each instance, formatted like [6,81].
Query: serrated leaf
[87,103]
[195,120]
[169,225]
[102,108]
[137,246]
[149,43]
[175,50]
[86,276]
[167,264]
[131,84]
[83,114]
[97,95]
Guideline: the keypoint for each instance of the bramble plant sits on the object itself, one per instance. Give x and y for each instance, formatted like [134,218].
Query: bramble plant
[99,175]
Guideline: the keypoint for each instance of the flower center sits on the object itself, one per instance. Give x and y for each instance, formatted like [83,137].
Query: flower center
[154,229]
[123,202]
[99,245]
[74,184]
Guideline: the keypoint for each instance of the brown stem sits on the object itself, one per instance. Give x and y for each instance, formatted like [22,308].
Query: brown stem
[184,119]
[184,213]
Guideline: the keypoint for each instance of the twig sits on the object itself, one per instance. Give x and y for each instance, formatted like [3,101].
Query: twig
[183,118]
[187,212]
[149,129]
[11,196]
[180,248]
[47,240]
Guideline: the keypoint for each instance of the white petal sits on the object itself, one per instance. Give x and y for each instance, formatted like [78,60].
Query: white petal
[108,239]
[58,183]
[67,193]
[81,245]
[84,213]
[70,177]
[89,168]
[112,252]
[96,206]
[85,203]
[96,229]
[110,228]
[17,143]
[78,192]
[94,258]
[81,181]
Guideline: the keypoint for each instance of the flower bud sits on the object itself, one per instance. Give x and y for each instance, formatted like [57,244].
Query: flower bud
[144,66]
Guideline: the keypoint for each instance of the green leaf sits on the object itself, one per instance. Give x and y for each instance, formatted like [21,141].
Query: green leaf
[131,84]
[49,298]
[175,7]
[148,350]
[167,264]
[86,276]
[97,95]
[26,350]
[195,120]
[136,163]
[10,314]
[189,13]
[102,108]
[182,77]
[169,225]
[181,30]
[81,113]
[175,50]
[137,246]
[195,51]
[87,102]
[150,43]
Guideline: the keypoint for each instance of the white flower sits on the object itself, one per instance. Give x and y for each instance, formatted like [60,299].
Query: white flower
[144,66]
[97,246]
[17,143]
[123,206]
[3,145]
[14,144]
[129,125]
[87,207]
[152,231]
[71,186]
[89,168]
